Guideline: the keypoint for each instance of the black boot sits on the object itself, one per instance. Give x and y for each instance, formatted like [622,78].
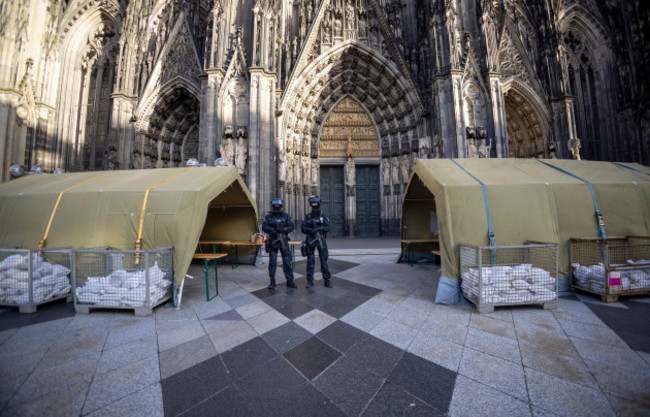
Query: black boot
[328,284]
[310,284]
[272,284]
[290,284]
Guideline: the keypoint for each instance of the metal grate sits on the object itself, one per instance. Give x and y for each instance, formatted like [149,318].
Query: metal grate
[617,266]
[509,275]
[138,280]
[30,277]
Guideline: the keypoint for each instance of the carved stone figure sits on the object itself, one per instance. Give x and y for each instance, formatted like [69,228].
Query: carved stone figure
[228,151]
[242,155]
[404,168]
[282,165]
[349,172]
[314,172]
[394,170]
[385,171]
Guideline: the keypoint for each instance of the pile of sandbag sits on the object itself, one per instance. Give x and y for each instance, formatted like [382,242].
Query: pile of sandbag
[593,277]
[48,280]
[124,288]
[509,284]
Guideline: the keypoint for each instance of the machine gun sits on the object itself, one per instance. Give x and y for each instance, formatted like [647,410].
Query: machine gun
[280,224]
[319,236]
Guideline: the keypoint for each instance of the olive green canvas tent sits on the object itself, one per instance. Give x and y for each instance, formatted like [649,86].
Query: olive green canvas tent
[174,207]
[527,199]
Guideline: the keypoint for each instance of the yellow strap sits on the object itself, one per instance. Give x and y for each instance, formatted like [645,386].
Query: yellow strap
[41,244]
[144,205]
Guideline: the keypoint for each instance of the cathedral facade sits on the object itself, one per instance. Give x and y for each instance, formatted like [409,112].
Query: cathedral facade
[330,97]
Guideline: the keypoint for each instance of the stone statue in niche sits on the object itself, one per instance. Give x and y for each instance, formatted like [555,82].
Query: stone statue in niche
[227,150]
[314,172]
[137,161]
[282,165]
[337,27]
[574,147]
[394,168]
[242,155]
[349,15]
[385,171]
[242,132]
[404,168]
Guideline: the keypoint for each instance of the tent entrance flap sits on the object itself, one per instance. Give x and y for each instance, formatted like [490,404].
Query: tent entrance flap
[420,229]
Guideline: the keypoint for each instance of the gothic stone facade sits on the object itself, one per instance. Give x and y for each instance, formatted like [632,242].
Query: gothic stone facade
[286,90]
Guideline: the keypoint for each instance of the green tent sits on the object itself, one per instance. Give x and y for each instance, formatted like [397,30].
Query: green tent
[108,208]
[528,200]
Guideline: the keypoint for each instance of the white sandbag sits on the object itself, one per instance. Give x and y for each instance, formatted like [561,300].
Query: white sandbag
[156,274]
[10,261]
[520,284]
[638,275]
[134,279]
[87,297]
[92,287]
[581,273]
[50,280]
[60,270]
[121,291]
[46,268]
[596,272]
[17,274]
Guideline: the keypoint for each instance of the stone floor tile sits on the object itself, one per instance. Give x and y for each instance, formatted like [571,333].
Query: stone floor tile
[267,321]
[126,330]
[286,336]
[241,300]
[232,334]
[341,336]
[253,309]
[500,374]
[453,315]
[565,398]
[540,412]
[499,346]
[492,325]
[118,384]
[62,400]
[581,316]
[537,337]
[314,321]
[378,307]
[247,357]
[182,357]
[408,317]
[394,333]
[432,383]
[373,354]
[622,382]
[570,368]
[591,332]
[8,387]
[312,357]
[473,399]
[180,334]
[624,358]
[645,356]
[148,401]
[394,401]
[626,407]
[126,354]
[436,350]
[455,333]
[362,319]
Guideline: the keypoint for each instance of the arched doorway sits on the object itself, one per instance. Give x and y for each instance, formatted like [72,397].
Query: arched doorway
[349,158]
[527,126]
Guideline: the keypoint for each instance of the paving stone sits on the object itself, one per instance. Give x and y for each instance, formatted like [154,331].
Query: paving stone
[570,368]
[8,387]
[253,309]
[374,355]
[118,384]
[394,333]
[147,401]
[408,317]
[247,357]
[229,402]
[499,346]
[241,300]
[595,333]
[62,400]
[455,333]
[378,307]
[341,336]
[267,321]
[232,334]
[432,383]
[312,357]
[626,407]
[126,330]
[345,377]
[230,315]
[565,398]
[127,354]
[182,333]
[436,350]
[362,319]
[494,326]
[473,399]
[314,321]
[624,358]
[182,357]
[286,336]
[453,315]
[394,401]
[294,309]
[185,389]
[622,382]
[500,374]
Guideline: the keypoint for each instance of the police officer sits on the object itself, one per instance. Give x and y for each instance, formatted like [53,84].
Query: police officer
[278,225]
[315,227]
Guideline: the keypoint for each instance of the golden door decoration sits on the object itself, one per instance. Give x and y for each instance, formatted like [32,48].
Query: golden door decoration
[349,132]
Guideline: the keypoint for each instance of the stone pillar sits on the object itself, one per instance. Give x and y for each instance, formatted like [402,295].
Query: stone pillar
[350,197]
[498,116]
[459,123]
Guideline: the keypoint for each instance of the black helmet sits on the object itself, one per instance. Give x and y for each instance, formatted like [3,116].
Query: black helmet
[314,202]
[276,205]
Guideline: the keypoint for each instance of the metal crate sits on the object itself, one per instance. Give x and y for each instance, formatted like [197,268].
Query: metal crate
[122,279]
[509,275]
[31,277]
[618,266]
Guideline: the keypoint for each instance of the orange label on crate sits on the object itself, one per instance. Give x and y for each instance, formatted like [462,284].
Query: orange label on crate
[614,278]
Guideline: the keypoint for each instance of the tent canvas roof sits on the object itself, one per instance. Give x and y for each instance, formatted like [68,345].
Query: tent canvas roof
[528,200]
[104,209]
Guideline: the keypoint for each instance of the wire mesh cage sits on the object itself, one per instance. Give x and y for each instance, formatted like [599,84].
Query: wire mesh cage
[31,277]
[509,275]
[122,279]
[611,268]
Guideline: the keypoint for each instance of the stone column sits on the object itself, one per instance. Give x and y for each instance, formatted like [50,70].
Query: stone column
[350,197]
[498,116]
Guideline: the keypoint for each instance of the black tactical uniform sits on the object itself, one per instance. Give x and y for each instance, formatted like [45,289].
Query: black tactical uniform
[278,225]
[315,226]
